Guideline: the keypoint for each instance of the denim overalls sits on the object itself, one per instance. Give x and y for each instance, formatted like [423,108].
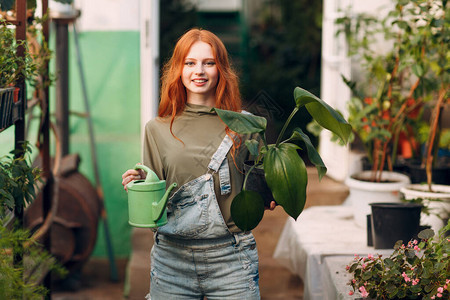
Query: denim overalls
[194,254]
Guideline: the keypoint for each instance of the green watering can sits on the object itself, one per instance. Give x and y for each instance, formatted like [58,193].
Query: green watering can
[147,200]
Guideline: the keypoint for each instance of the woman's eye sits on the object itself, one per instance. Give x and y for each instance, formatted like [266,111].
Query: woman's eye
[210,63]
[189,63]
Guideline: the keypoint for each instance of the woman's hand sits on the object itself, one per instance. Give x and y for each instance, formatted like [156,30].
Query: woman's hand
[131,175]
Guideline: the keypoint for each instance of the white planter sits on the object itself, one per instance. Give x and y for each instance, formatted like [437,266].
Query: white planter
[439,209]
[364,192]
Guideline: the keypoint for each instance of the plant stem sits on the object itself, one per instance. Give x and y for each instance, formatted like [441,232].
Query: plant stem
[246,176]
[434,128]
[263,138]
[286,125]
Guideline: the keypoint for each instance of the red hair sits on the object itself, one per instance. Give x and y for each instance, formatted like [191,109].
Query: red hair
[173,92]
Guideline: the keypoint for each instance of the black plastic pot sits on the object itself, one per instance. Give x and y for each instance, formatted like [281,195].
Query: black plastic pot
[440,172]
[394,221]
[6,107]
[257,182]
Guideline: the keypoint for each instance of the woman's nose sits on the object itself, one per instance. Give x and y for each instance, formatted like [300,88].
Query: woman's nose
[199,69]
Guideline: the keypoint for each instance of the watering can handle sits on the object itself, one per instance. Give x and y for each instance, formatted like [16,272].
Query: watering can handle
[151,176]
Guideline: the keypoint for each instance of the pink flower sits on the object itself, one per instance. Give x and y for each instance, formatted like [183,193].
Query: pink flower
[350,293]
[363,291]
[364,266]
[439,295]
[415,281]
[415,242]
[347,267]
[370,256]
[354,280]
[407,279]
[433,297]
[440,289]
[416,248]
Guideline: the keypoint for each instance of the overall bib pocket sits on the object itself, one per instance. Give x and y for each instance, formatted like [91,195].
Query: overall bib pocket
[190,215]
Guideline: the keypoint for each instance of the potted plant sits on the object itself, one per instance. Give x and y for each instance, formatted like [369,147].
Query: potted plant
[417,270]
[409,76]
[433,28]
[12,68]
[399,77]
[284,170]
[428,166]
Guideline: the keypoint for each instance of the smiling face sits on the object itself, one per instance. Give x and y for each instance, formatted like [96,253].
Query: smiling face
[200,74]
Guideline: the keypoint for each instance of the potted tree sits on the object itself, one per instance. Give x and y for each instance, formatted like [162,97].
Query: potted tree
[284,169]
[436,197]
[397,83]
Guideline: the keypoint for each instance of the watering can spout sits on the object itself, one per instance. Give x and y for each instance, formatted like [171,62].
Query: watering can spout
[161,204]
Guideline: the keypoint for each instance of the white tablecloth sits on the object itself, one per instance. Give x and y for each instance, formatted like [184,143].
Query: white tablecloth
[320,232]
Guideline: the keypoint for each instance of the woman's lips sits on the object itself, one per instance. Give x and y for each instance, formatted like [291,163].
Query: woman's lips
[199,82]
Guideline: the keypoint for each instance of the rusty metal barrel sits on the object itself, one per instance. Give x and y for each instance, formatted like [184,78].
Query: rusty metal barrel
[74,229]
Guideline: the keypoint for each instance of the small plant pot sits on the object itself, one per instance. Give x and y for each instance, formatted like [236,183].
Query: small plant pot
[256,182]
[17,112]
[394,221]
[6,107]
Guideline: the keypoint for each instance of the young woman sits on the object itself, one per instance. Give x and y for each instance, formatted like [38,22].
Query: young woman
[200,251]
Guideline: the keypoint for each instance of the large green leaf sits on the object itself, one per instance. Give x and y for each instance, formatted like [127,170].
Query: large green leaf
[247,209]
[324,114]
[426,234]
[313,155]
[242,123]
[286,177]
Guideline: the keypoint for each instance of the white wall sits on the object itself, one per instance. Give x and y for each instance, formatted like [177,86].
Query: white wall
[108,15]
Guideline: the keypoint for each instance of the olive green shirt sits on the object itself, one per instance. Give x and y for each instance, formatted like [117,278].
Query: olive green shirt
[201,132]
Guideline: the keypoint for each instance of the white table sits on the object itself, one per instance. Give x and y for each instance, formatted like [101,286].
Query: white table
[316,246]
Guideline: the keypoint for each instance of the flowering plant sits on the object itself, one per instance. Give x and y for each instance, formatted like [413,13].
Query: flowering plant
[419,270]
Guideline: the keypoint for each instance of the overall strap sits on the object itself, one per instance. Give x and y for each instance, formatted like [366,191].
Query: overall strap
[219,163]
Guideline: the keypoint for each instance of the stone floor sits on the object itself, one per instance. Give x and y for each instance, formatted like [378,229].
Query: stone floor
[276,282]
